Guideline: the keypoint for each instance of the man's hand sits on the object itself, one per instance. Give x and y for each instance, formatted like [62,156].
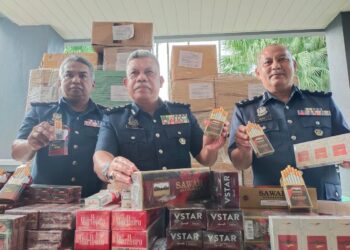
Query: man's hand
[41,135]
[242,139]
[214,144]
[119,172]
[345,164]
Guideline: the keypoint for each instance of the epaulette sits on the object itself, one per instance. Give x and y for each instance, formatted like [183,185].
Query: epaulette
[248,101]
[316,93]
[179,104]
[109,111]
[43,103]
[101,106]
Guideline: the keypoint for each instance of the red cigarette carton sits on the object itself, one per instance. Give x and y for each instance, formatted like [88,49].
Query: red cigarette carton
[93,219]
[127,219]
[92,240]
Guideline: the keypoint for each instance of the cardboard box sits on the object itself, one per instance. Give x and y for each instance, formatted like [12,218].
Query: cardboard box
[333,207]
[268,197]
[199,93]
[285,232]
[43,86]
[151,189]
[54,60]
[120,34]
[193,61]
[232,88]
[316,233]
[114,58]
[321,152]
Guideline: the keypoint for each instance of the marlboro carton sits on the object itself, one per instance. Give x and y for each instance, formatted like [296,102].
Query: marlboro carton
[143,239]
[225,188]
[158,188]
[128,219]
[285,232]
[321,152]
[179,239]
[94,218]
[191,217]
[222,240]
[92,240]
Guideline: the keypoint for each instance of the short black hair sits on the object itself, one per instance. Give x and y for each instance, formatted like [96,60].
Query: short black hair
[75,58]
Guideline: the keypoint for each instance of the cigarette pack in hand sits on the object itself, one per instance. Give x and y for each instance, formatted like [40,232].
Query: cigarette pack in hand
[258,140]
[294,189]
[216,122]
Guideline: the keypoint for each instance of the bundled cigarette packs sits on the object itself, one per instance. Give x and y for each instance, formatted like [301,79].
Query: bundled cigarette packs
[222,240]
[258,140]
[216,122]
[322,152]
[294,189]
[151,189]
[190,217]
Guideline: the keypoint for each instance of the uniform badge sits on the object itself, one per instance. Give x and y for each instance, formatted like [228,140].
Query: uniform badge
[318,132]
[263,114]
[132,122]
[314,112]
[182,141]
[174,119]
[92,123]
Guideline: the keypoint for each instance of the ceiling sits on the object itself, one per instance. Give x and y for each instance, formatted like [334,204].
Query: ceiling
[72,19]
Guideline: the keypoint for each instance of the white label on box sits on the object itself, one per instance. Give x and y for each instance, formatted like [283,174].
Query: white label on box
[201,91]
[255,89]
[119,93]
[271,203]
[123,32]
[189,59]
[249,229]
[120,64]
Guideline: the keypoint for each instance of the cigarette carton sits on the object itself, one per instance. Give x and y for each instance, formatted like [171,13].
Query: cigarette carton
[224,220]
[190,216]
[179,239]
[285,232]
[222,240]
[151,189]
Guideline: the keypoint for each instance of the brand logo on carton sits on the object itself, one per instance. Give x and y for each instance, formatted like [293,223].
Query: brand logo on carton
[271,194]
[189,185]
[214,238]
[127,240]
[185,236]
[188,216]
[224,216]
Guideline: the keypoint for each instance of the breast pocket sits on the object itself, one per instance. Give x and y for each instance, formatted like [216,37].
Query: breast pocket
[273,132]
[178,140]
[133,144]
[317,126]
[91,132]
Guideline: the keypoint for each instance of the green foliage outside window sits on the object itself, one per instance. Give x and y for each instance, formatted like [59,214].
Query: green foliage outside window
[309,52]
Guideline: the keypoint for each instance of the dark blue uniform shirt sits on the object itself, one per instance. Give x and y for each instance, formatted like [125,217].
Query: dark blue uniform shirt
[286,125]
[134,134]
[76,168]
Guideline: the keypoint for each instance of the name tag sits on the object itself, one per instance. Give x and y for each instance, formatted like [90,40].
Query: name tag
[174,119]
[92,123]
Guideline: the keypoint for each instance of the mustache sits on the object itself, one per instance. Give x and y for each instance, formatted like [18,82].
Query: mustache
[141,85]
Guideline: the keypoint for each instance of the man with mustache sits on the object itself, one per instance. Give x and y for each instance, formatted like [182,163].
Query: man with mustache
[288,116]
[63,134]
[150,133]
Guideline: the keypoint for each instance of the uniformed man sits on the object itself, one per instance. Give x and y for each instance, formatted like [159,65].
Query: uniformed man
[288,116]
[149,134]
[63,134]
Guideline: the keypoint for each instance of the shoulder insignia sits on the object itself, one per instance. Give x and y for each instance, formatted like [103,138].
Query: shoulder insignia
[179,104]
[112,110]
[316,93]
[43,103]
[248,101]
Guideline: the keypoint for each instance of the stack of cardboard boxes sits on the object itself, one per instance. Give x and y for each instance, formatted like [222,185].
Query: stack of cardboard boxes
[114,41]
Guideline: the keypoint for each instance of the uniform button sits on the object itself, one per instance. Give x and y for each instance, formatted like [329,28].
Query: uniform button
[73,179]
[336,193]
[289,121]
[132,137]
[160,151]
[75,146]
[317,123]
[76,132]
[154,121]
[157,135]
[164,168]
[74,163]
[293,137]
[287,107]
[78,118]
[179,132]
